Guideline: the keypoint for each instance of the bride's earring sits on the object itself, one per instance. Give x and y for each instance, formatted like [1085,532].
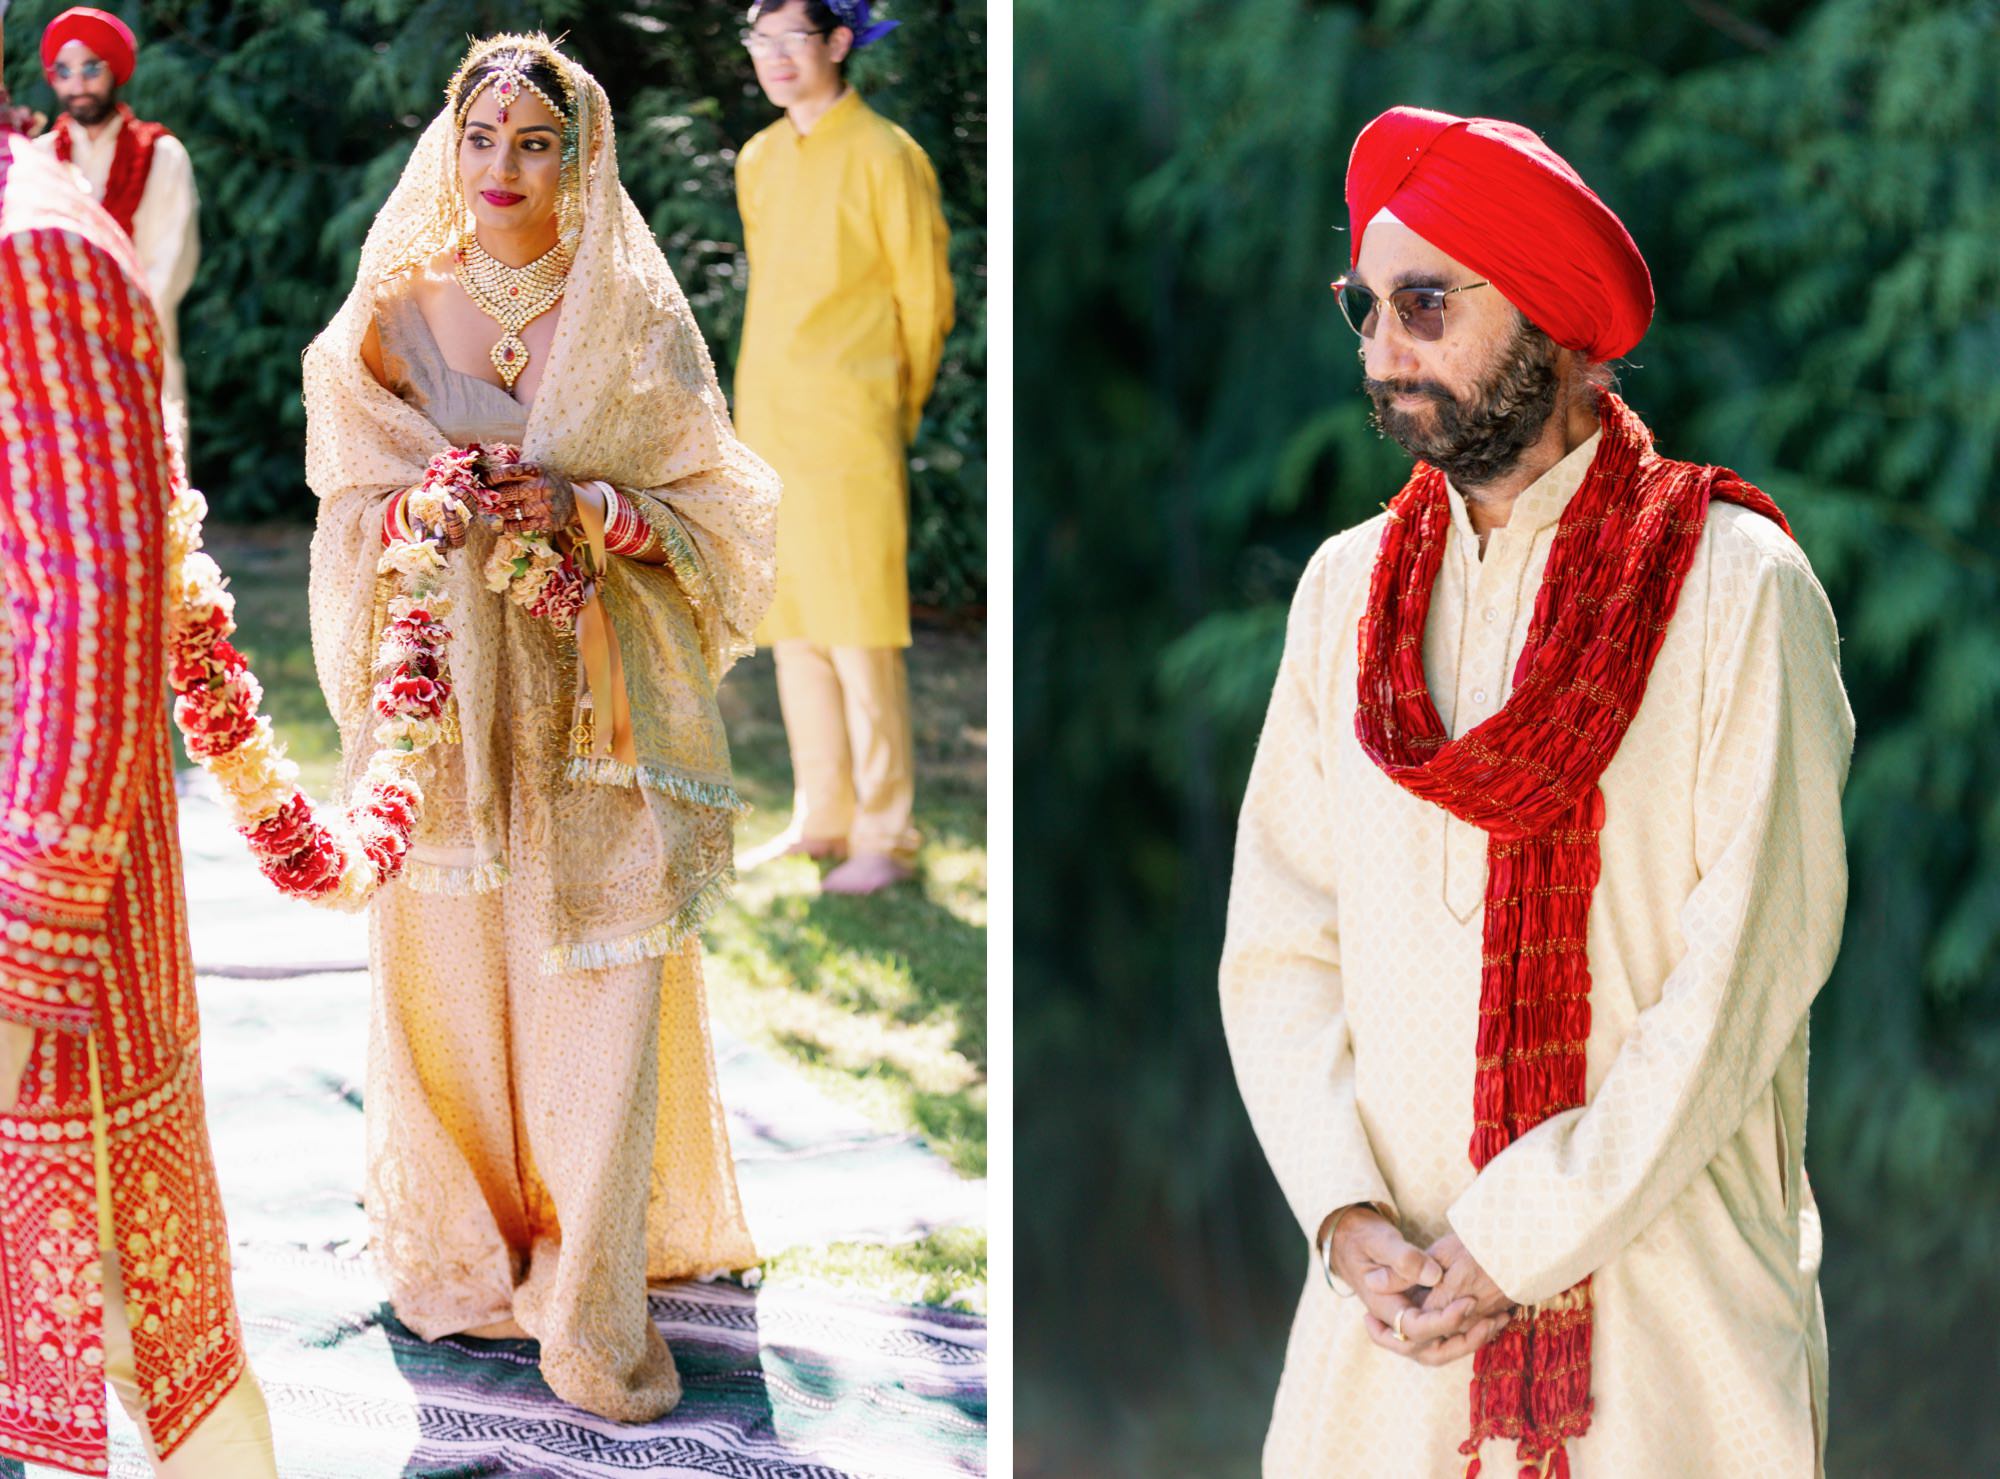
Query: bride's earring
[569,199]
[451,209]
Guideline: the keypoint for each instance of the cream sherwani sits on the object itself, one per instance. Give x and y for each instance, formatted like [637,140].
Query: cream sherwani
[1350,995]
[165,230]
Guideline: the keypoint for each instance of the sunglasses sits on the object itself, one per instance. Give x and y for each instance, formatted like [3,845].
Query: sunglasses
[767,44]
[1419,310]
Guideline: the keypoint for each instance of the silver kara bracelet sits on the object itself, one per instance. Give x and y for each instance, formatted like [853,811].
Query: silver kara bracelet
[1325,1244]
[1326,1260]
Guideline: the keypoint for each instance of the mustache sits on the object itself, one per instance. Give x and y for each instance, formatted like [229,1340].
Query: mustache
[1381,390]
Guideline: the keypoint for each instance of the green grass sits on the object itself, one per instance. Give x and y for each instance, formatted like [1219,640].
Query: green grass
[880,1001]
[948,1269]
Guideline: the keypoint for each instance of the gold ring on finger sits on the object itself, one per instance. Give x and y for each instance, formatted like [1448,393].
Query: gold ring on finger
[1400,1314]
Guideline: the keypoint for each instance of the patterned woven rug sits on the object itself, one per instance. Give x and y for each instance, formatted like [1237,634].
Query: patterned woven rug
[784,1383]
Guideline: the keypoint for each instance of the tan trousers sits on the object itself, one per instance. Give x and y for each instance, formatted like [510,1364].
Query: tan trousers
[847,720]
[234,1440]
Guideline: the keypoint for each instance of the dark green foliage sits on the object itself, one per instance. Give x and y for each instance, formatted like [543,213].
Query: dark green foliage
[1817,189]
[300,115]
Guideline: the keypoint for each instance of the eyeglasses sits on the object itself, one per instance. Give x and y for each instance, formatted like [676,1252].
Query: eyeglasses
[777,43]
[1419,310]
[89,71]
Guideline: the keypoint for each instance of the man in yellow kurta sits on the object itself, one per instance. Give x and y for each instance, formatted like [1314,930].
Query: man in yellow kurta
[850,301]
[1539,869]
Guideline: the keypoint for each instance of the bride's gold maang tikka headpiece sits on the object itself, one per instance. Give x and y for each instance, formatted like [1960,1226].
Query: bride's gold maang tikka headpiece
[511,80]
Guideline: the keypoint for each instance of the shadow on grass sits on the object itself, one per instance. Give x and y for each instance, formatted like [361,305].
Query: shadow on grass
[881,996]
[881,999]
[935,958]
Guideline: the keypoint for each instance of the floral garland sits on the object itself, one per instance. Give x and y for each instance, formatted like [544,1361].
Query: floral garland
[337,859]
[535,575]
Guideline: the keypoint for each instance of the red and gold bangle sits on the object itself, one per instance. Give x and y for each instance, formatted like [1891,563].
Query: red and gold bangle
[396,520]
[626,531]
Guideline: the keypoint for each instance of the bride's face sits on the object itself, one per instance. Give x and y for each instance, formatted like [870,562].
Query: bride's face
[510,173]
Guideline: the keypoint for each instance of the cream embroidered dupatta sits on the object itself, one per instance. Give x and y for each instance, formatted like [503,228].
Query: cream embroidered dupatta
[629,396]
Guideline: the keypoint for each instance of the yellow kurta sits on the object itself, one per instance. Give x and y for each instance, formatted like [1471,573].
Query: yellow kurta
[850,301]
[1350,994]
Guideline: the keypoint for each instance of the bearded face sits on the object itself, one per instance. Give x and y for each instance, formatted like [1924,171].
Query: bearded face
[84,84]
[1476,434]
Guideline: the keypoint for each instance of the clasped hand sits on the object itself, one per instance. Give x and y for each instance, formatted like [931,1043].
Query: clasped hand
[1448,1306]
[519,498]
[516,498]
[527,498]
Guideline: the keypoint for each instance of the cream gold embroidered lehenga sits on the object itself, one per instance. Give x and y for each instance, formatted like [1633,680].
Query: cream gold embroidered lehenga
[544,1128]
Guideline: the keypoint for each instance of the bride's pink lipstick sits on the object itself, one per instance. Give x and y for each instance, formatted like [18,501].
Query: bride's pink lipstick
[501,198]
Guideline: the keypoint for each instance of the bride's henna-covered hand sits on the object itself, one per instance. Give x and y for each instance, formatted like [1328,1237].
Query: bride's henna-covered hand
[528,498]
[451,527]
[456,523]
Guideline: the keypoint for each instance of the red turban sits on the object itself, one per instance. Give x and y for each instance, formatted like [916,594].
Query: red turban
[99,30]
[1497,198]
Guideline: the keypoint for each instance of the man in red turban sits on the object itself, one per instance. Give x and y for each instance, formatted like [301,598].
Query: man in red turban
[138,171]
[1539,869]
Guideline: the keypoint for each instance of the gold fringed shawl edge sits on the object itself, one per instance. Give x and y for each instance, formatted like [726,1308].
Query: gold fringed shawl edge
[602,771]
[682,557]
[658,940]
[435,878]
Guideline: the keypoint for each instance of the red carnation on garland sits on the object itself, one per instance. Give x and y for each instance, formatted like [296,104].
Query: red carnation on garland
[284,834]
[313,871]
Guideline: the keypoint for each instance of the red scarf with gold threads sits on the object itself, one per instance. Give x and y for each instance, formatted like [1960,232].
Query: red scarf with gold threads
[1528,778]
[131,163]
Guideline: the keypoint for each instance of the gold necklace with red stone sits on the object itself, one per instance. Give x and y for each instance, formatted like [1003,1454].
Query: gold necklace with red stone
[513,297]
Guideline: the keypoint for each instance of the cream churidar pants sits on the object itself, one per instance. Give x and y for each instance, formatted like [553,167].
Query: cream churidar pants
[847,720]
[234,1440]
